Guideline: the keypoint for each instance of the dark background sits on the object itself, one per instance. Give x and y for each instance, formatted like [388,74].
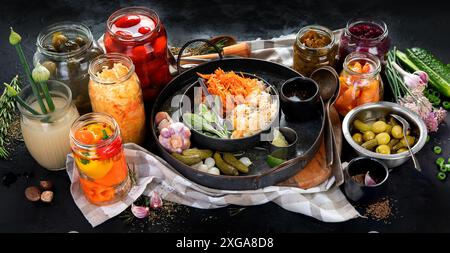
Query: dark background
[422,202]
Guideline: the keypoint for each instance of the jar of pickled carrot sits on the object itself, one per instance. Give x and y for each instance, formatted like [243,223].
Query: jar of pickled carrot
[139,33]
[98,153]
[360,82]
[114,89]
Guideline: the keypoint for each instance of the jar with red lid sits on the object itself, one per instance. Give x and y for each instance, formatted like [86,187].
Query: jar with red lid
[365,35]
[139,33]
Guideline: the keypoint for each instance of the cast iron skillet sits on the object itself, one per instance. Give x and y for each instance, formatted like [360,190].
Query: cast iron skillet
[225,145]
[260,174]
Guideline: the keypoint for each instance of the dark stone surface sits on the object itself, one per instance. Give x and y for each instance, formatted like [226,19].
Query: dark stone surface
[422,202]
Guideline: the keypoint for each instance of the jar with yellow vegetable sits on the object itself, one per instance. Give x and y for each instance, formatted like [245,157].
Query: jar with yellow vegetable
[114,89]
[380,136]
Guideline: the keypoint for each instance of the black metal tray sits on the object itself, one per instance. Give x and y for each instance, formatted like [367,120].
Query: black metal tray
[260,174]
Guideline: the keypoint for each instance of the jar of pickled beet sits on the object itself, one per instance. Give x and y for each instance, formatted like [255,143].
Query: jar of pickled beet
[315,46]
[66,49]
[360,82]
[99,158]
[139,33]
[365,35]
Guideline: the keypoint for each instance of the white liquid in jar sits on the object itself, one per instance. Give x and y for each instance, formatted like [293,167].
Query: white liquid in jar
[48,143]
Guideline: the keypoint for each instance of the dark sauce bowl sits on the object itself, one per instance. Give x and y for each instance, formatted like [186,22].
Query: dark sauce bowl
[356,191]
[299,97]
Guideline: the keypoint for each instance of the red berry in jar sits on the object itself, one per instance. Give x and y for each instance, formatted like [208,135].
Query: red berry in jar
[127,21]
[144,29]
[124,34]
[147,46]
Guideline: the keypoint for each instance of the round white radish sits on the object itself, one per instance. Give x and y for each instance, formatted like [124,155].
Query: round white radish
[214,171]
[210,162]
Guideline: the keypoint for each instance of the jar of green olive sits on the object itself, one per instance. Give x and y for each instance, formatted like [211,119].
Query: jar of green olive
[315,46]
[66,49]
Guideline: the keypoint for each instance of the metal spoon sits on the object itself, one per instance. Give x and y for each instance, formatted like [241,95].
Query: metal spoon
[406,126]
[327,79]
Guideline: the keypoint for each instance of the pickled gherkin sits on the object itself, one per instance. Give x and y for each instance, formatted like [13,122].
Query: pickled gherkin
[361,126]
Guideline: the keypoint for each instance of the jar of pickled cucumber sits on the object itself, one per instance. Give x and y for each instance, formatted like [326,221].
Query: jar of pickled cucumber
[315,46]
[66,49]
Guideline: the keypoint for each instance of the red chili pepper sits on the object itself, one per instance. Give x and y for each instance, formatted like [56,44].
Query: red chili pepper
[127,21]
[111,150]
[144,30]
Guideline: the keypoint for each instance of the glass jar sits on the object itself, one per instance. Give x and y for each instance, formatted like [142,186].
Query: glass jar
[68,64]
[139,33]
[365,35]
[114,89]
[45,136]
[99,157]
[360,82]
[315,46]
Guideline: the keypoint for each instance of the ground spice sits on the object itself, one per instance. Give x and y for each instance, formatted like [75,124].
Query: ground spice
[359,178]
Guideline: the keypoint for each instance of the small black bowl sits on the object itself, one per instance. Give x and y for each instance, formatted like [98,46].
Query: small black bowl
[288,152]
[299,97]
[356,191]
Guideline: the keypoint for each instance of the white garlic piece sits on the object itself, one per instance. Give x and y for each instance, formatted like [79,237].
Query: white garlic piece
[210,162]
[197,165]
[246,161]
[203,168]
[214,171]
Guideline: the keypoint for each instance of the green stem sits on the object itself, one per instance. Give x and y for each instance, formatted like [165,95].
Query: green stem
[48,98]
[34,87]
[26,106]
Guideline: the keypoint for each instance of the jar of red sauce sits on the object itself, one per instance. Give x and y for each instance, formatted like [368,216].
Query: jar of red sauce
[365,35]
[138,33]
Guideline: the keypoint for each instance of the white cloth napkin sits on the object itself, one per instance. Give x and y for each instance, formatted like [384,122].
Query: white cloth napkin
[154,174]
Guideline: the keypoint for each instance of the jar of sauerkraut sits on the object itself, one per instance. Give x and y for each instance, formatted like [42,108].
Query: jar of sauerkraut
[114,89]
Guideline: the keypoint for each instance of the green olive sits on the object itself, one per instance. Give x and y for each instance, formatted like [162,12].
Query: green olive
[358,138]
[369,135]
[361,126]
[397,132]
[58,40]
[383,138]
[51,66]
[379,127]
[80,41]
[383,149]
[401,150]
[388,129]
[69,46]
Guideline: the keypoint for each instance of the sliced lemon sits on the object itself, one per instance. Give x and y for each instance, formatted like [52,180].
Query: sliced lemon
[94,169]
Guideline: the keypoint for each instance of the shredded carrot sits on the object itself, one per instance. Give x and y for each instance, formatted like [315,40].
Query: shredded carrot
[230,84]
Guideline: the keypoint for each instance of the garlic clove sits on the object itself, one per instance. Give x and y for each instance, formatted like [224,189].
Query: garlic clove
[246,161]
[203,168]
[140,212]
[214,171]
[155,200]
[209,162]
